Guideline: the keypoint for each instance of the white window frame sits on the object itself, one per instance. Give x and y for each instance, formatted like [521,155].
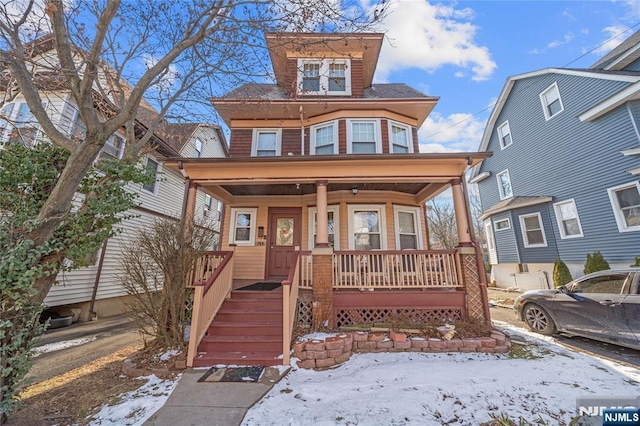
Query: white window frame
[324,76]
[154,191]
[381,209]
[415,211]
[622,224]
[253,212]
[390,125]
[313,211]
[120,152]
[376,129]
[523,230]
[316,127]
[559,219]
[491,242]
[207,204]
[504,196]
[545,102]
[256,134]
[502,134]
[506,219]
[197,151]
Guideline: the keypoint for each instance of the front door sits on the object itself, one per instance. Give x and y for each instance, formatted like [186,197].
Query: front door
[283,237]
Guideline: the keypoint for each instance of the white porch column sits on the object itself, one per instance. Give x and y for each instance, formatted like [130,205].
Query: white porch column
[460,206]
[322,220]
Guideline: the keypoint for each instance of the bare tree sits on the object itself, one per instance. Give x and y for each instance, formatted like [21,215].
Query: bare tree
[476,211]
[442,225]
[111,55]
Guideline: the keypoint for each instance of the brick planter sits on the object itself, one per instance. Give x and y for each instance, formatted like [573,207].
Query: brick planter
[332,351]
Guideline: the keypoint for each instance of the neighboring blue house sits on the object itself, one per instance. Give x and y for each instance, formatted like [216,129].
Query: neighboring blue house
[564,179]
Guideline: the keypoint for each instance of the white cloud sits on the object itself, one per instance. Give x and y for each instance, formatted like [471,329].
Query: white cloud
[426,36]
[556,43]
[454,133]
[614,35]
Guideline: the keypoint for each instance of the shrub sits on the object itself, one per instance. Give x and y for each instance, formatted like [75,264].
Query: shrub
[595,262]
[561,274]
[637,262]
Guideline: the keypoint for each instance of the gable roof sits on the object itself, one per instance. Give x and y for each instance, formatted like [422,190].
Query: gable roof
[626,76]
[514,203]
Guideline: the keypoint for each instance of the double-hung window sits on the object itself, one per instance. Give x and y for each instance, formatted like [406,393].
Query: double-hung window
[333,227]
[551,101]
[400,138]
[266,142]
[324,77]
[113,147]
[197,153]
[152,170]
[504,185]
[324,139]
[407,228]
[568,219]
[504,133]
[243,226]
[533,230]
[208,204]
[625,201]
[367,229]
[363,137]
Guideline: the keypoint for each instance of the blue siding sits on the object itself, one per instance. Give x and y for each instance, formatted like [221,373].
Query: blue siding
[547,254]
[506,240]
[565,158]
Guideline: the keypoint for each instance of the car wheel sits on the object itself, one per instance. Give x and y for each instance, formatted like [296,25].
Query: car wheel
[539,320]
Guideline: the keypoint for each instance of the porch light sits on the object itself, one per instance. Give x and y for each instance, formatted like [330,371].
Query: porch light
[354,190]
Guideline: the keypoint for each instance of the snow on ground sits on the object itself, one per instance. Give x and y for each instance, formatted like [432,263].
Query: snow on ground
[138,405]
[541,381]
[52,347]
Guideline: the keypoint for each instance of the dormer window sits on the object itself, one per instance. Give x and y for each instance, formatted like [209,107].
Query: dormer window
[324,77]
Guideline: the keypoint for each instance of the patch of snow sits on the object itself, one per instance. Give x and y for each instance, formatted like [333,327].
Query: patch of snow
[457,389]
[316,336]
[138,405]
[169,354]
[52,347]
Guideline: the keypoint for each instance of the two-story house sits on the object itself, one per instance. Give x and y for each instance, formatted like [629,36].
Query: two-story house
[95,290]
[563,180]
[324,194]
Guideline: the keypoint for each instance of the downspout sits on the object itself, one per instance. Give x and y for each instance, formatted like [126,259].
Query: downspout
[93,315]
[301,111]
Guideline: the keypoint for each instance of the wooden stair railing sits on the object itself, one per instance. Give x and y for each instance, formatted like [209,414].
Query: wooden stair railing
[290,288]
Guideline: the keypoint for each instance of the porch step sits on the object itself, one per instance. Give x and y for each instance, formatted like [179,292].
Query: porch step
[247,330]
[266,358]
[258,343]
[251,315]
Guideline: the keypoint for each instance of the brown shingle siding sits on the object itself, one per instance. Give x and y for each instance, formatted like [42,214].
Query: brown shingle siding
[342,137]
[240,144]
[416,143]
[291,78]
[384,129]
[357,89]
[290,142]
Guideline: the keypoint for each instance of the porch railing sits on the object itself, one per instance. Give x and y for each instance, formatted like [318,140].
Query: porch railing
[208,295]
[397,269]
[289,304]
[205,265]
[306,269]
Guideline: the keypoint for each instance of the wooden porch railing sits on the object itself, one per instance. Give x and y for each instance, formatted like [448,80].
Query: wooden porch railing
[306,270]
[208,295]
[290,288]
[397,269]
[204,267]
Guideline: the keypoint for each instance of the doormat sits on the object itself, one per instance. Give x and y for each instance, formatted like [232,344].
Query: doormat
[232,374]
[262,286]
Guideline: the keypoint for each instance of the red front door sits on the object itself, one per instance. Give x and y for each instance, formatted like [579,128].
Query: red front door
[283,238]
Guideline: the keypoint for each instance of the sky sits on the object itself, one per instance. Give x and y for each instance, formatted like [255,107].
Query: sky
[538,382]
[463,52]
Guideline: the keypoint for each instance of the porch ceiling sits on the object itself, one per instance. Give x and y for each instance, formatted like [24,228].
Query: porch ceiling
[421,175]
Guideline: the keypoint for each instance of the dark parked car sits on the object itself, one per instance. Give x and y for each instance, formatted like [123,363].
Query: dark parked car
[603,306]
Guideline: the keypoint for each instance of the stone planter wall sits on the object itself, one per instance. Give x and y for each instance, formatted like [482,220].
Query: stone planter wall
[322,354]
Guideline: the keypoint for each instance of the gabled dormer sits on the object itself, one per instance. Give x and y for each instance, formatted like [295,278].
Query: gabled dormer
[327,65]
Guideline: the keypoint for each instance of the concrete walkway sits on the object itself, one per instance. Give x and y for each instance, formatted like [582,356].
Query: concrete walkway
[194,403]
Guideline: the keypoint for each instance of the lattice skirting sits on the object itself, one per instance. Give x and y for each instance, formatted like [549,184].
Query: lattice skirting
[304,309]
[380,315]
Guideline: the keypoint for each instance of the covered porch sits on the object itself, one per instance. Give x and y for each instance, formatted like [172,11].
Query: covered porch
[300,228]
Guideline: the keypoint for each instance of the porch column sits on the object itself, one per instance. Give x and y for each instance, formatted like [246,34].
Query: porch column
[189,206]
[462,218]
[322,304]
[322,221]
